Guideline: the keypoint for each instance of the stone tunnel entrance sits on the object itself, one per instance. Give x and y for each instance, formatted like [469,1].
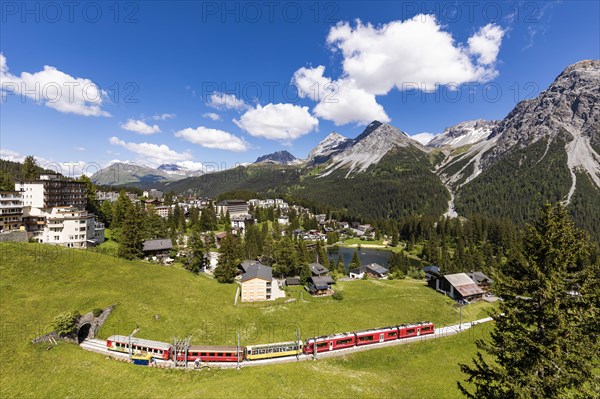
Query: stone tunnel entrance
[83,332]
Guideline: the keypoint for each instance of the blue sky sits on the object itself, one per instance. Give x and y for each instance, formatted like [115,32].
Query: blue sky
[144,81]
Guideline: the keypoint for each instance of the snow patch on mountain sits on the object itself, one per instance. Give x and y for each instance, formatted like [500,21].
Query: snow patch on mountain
[328,146]
[464,133]
[369,148]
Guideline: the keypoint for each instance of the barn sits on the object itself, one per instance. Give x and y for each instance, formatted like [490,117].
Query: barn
[458,286]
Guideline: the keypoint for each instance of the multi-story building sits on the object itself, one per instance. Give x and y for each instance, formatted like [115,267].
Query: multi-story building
[67,226]
[234,207]
[258,283]
[11,210]
[51,191]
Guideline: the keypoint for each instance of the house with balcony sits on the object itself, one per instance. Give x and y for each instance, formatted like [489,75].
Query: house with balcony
[66,226]
[11,210]
[51,191]
[258,283]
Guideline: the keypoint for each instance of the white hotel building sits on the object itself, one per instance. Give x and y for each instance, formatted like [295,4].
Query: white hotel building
[68,226]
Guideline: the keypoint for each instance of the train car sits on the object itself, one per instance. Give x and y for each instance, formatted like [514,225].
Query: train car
[372,336]
[213,353]
[121,343]
[142,359]
[415,330]
[268,351]
[329,343]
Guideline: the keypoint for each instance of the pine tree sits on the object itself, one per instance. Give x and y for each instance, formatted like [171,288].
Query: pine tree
[29,170]
[545,340]
[196,261]
[229,259]
[130,237]
[90,194]
[322,252]
[286,261]
[340,267]
[355,262]
[6,182]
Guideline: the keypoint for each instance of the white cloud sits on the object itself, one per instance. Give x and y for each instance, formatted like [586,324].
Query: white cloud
[68,168]
[212,115]
[140,127]
[423,138]
[213,138]
[412,54]
[413,51]
[152,154]
[79,148]
[11,155]
[284,122]
[485,44]
[226,101]
[55,89]
[162,117]
[340,101]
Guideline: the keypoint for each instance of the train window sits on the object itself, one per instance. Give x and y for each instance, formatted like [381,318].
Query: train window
[425,328]
[219,354]
[393,334]
[344,341]
[412,330]
[366,338]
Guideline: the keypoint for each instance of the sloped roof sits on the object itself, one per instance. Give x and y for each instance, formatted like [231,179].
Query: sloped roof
[258,271]
[317,268]
[463,284]
[479,277]
[321,283]
[247,263]
[377,268]
[157,245]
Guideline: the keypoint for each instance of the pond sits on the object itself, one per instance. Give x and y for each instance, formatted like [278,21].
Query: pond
[366,256]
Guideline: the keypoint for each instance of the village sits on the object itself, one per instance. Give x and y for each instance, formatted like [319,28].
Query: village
[52,210]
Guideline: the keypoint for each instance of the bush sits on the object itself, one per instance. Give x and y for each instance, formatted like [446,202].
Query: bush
[97,312]
[338,295]
[65,323]
[415,273]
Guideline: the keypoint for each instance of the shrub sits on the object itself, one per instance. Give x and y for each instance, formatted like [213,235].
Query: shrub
[65,323]
[338,295]
[97,312]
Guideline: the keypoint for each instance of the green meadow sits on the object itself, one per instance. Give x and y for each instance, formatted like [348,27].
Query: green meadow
[38,282]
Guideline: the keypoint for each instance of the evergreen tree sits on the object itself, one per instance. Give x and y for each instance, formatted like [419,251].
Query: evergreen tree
[130,236]
[355,262]
[29,170]
[322,252]
[229,259]
[90,194]
[120,208]
[340,267]
[544,344]
[6,182]
[286,261]
[196,261]
[208,218]
[106,213]
[153,225]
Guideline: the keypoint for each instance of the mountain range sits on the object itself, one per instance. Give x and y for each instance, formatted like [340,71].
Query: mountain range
[545,150]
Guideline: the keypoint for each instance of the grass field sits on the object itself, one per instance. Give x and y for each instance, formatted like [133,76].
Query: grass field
[38,282]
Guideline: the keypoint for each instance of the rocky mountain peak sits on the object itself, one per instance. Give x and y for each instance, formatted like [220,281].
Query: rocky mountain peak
[464,133]
[278,157]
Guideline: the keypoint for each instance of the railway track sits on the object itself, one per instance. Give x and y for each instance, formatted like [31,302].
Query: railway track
[99,346]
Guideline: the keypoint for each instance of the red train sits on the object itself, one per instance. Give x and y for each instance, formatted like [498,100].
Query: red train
[366,337]
[164,351]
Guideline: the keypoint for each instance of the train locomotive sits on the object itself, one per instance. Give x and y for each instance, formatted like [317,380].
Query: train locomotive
[164,351]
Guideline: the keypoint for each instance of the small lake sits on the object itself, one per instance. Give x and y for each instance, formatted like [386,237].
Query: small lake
[366,255]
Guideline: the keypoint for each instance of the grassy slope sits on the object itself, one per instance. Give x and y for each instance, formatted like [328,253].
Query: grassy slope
[38,282]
